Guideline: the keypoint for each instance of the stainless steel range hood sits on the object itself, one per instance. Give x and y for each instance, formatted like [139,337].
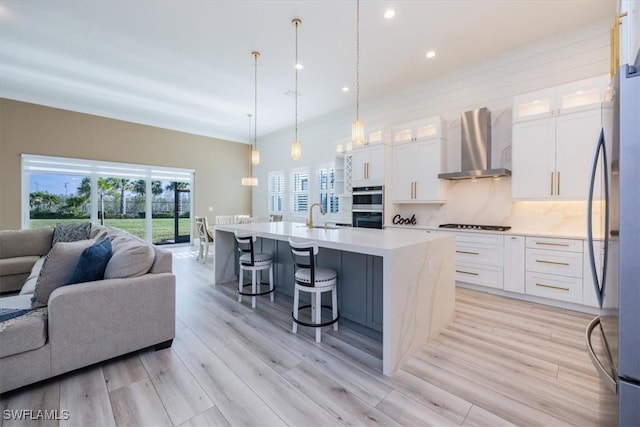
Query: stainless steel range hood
[476,148]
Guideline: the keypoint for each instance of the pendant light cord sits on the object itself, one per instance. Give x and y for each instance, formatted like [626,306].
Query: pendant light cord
[297,22]
[357,60]
[255,101]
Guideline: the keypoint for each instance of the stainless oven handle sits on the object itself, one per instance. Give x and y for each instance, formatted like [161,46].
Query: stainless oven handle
[367,210]
[366,193]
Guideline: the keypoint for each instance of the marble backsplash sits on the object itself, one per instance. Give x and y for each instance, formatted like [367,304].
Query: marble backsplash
[488,201]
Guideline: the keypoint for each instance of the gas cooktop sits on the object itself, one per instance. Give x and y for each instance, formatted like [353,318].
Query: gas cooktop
[477,227]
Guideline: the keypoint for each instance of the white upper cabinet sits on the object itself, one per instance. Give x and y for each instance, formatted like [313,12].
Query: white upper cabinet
[554,138]
[418,157]
[368,160]
[568,98]
[533,159]
[432,127]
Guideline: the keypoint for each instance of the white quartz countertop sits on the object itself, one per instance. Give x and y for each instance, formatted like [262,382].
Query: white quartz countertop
[361,240]
[512,232]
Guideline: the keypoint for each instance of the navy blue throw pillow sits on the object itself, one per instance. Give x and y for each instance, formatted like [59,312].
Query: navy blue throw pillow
[93,261]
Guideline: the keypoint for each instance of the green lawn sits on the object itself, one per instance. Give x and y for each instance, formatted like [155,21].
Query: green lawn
[162,228]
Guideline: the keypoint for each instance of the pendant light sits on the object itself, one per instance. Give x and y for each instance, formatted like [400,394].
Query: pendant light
[255,154]
[249,181]
[357,127]
[296,148]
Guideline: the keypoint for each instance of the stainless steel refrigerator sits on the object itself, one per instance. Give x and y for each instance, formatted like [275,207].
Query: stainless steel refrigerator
[615,180]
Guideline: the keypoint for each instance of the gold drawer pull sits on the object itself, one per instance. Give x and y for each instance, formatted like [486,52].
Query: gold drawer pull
[553,244]
[467,252]
[552,262]
[559,288]
[467,272]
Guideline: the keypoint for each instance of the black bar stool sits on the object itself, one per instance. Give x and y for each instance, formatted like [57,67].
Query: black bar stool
[255,263]
[314,280]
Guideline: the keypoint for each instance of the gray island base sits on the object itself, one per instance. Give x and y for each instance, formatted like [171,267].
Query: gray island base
[395,282]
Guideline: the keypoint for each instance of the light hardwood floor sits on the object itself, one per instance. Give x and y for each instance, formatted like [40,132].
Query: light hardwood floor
[500,362]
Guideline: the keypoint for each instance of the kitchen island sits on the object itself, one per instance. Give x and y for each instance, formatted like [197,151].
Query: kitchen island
[401,283]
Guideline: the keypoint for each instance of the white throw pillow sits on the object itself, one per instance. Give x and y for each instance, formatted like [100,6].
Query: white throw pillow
[131,258]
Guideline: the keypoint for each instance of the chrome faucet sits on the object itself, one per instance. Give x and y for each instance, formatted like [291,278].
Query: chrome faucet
[310,219]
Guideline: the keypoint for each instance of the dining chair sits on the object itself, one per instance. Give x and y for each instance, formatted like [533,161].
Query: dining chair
[224,219]
[204,237]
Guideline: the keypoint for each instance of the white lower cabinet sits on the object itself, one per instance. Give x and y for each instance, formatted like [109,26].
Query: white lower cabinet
[555,271]
[514,264]
[553,268]
[480,259]
[555,287]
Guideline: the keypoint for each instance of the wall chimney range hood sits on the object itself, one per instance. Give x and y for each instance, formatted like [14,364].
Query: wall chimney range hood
[476,148]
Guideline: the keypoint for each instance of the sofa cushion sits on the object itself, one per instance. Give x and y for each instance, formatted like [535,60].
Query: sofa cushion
[71,232]
[98,232]
[15,243]
[29,286]
[23,333]
[57,268]
[92,263]
[17,265]
[131,258]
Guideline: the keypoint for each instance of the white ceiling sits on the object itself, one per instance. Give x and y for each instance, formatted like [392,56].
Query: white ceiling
[187,65]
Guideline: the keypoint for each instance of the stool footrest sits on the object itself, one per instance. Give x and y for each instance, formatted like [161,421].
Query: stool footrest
[251,294]
[315,325]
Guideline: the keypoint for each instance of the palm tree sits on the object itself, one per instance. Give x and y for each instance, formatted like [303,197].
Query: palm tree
[122,185]
[140,187]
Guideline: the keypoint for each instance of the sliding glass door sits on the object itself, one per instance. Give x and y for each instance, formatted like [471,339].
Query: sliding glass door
[152,203]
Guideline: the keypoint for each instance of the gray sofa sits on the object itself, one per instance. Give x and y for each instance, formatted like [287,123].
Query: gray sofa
[83,323]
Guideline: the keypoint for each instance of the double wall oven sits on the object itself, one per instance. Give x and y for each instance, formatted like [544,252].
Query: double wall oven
[368,207]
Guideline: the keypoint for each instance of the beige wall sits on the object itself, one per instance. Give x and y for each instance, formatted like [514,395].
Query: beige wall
[34,129]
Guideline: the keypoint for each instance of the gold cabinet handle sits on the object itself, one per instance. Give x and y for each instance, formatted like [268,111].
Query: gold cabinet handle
[415,190]
[467,272]
[467,252]
[552,244]
[552,262]
[558,192]
[559,288]
[615,43]
[551,190]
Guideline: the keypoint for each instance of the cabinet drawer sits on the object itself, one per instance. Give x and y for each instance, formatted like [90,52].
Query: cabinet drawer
[479,254]
[554,262]
[570,245]
[485,275]
[489,239]
[556,287]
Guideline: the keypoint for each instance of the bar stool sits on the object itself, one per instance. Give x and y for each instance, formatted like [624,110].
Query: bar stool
[255,263]
[314,280]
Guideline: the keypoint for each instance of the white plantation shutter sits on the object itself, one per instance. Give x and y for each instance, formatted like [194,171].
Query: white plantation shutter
[299,190]
[276,192]
[326,185]
[62,165]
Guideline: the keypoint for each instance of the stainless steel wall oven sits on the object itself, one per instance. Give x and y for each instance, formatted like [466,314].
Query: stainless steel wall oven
[368,207]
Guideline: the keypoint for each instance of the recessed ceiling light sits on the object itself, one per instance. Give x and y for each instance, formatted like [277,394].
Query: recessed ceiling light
[345,89]
[298,66]
[389,13]
[431,54]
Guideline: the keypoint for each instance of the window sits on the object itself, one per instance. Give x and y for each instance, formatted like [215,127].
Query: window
[276,192]
[327,189]
[299,190]
[148,202]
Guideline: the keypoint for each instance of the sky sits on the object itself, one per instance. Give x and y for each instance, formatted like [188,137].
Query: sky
[55,183]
